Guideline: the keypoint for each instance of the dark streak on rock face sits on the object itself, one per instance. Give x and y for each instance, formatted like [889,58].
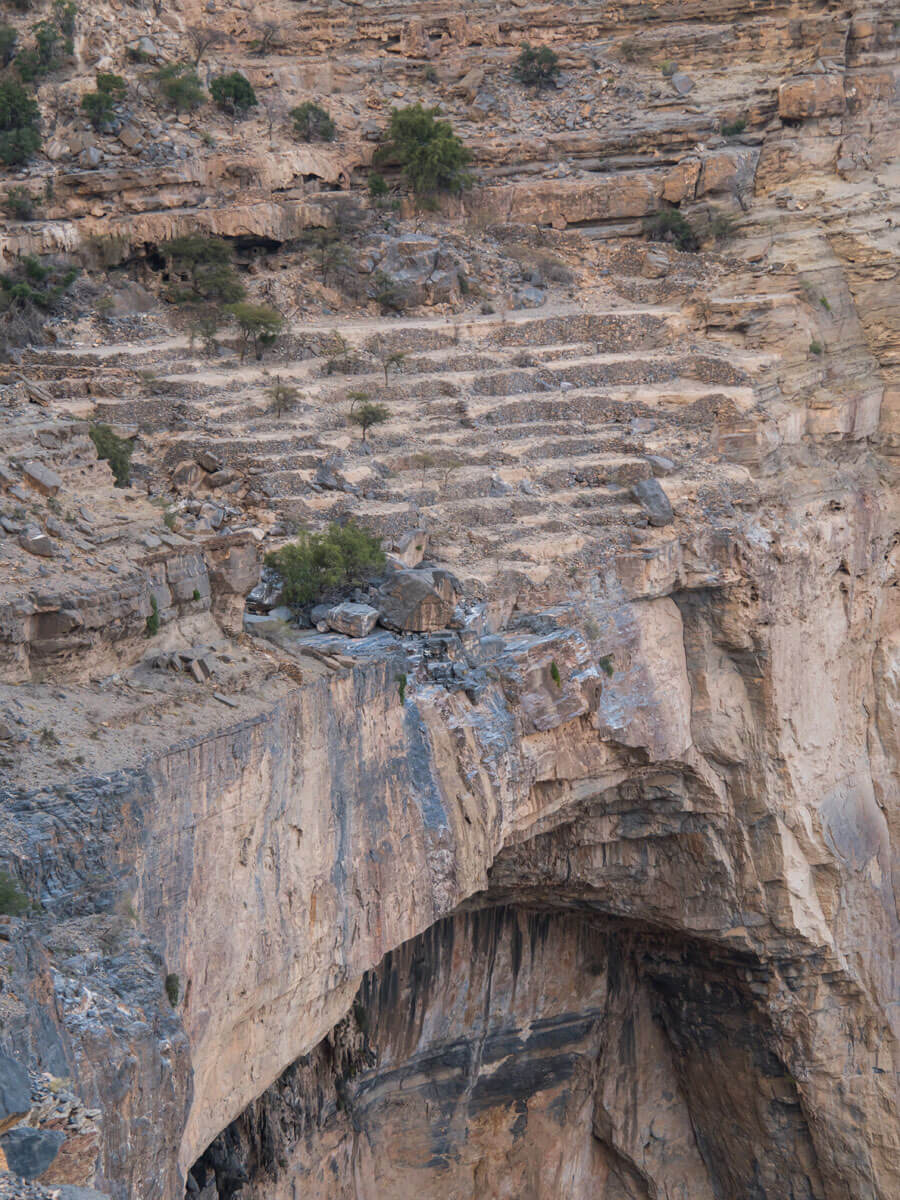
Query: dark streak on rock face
[552,1053]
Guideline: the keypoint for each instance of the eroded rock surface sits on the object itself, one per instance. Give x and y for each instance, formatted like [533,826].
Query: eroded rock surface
[576,874]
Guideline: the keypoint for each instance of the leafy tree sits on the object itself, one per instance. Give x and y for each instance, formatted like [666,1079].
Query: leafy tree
[317,564]
[233,93]
[378,187]
[259,326]
[431,155]
[207,261]
[100,105]
[311,121]
[669,225]
[9,36]
[114,450]
[537,67]
[180,85]
[205,322]
[366,413]
[283,396]
[733,128]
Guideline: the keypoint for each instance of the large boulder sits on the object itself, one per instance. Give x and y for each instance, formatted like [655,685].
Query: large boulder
[41,478]
[29,1152]
[409,548]
[355,620]
[418,601]
[15,1092]
[650,495]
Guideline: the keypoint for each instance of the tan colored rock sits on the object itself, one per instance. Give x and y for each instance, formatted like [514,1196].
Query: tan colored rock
[811,96]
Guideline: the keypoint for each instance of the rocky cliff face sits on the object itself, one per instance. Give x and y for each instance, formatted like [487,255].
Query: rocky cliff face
[592,892]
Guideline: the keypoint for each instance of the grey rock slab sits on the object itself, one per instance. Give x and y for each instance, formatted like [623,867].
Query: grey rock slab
[650,495]
[682,83]
[42,478]
[37,543]
[29,1152]
[15,1087]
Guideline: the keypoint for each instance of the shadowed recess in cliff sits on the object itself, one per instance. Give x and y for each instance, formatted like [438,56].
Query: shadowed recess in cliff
[526,1053]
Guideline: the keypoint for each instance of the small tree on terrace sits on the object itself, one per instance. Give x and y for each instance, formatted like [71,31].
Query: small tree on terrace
[283,396]
[365,413]
[233,93]
[392,359]
[431,155]
[259,326]
[537,67]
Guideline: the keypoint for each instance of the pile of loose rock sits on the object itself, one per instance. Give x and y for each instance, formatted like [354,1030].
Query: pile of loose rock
[38,1115]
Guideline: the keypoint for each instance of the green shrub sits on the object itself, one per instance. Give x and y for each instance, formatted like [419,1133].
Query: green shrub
[9,37]
[173,988]
[311,122]
[179,84]
[20,117]
[28,292]
[537,67]
[259,326]
[100,105]
[233,93]
[114,450]
[378,187]
[669,225]
[733,128]
[12,901]
[153,620]
[668,68]
[367,413]
[816,348]
[317,564]
[431,155]
[20,203]
[401,688]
